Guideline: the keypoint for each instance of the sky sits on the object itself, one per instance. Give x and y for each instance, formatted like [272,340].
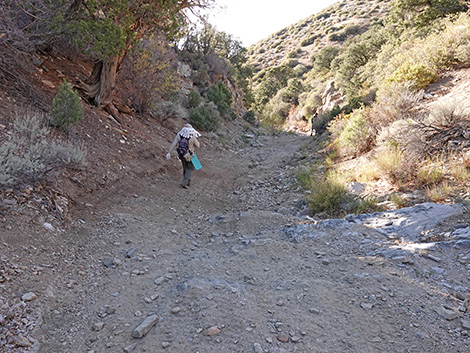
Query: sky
[253,20]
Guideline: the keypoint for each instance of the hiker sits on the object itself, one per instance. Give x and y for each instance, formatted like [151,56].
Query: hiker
[313,132]
[187,142]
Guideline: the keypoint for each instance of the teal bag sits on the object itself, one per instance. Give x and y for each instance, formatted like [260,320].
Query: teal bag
[197,165]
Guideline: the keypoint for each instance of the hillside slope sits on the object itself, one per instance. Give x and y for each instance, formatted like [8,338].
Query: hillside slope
[295,44]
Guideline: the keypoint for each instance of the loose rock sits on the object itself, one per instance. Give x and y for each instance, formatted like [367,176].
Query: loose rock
[141,330]
[211,331]
[29,297]
[446,313]
[130,348]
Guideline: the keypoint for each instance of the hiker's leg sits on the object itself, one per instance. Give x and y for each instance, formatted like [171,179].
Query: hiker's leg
[188,170]
[184,163]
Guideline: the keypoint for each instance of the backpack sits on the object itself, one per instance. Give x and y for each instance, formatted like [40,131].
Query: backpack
[183,146]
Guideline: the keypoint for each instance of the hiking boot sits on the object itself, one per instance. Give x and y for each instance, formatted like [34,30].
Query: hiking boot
[184,186]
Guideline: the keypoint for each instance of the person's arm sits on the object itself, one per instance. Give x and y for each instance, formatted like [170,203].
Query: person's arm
[193,143]
[173,145]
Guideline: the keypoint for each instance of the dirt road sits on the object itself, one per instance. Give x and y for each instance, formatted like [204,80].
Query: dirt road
[227,266]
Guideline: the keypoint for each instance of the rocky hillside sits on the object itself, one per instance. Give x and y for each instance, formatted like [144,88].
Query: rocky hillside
[294,44]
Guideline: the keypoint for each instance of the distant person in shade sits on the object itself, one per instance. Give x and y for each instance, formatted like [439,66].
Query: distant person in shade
[312,132]
[186,143]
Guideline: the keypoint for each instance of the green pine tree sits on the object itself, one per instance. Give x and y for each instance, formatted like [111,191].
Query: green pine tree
[66,107]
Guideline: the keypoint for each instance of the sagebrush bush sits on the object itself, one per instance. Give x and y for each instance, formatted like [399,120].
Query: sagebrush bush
[66,107]
[32,155]
[277,110]
[169,110]
[395,101]
[205,117]
[447,113]
[399,133]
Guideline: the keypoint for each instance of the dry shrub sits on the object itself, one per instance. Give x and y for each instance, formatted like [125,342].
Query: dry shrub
[405,135]
[448,113]
[431,172]
[439,192]
[15,76]
[367,172]
[459,172]
[390,160]
[395,101]
[169,110]
[466,159]
[148,75]
[446,129]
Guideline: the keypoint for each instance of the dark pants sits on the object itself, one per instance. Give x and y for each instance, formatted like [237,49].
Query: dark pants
[188,168]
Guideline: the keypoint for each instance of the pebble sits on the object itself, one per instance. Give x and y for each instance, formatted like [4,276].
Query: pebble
[21,341]
[466,324]
[141,330]
[211,331]
[283,337]
[110,262]
[48,226]
[98,326]
[257,348]
[295,339]
[434,258]
[175,310]
[159,281]
[130,348]
[30,296]
[166,344]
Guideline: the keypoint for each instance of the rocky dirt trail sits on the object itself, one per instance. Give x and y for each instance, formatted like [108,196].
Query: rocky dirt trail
[229,265]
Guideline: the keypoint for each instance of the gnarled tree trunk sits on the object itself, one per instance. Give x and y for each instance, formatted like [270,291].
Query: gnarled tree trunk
[99,87]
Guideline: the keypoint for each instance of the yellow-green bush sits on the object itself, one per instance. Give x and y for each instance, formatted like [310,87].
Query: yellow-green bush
[418,75]
[327,194]
[356,135]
